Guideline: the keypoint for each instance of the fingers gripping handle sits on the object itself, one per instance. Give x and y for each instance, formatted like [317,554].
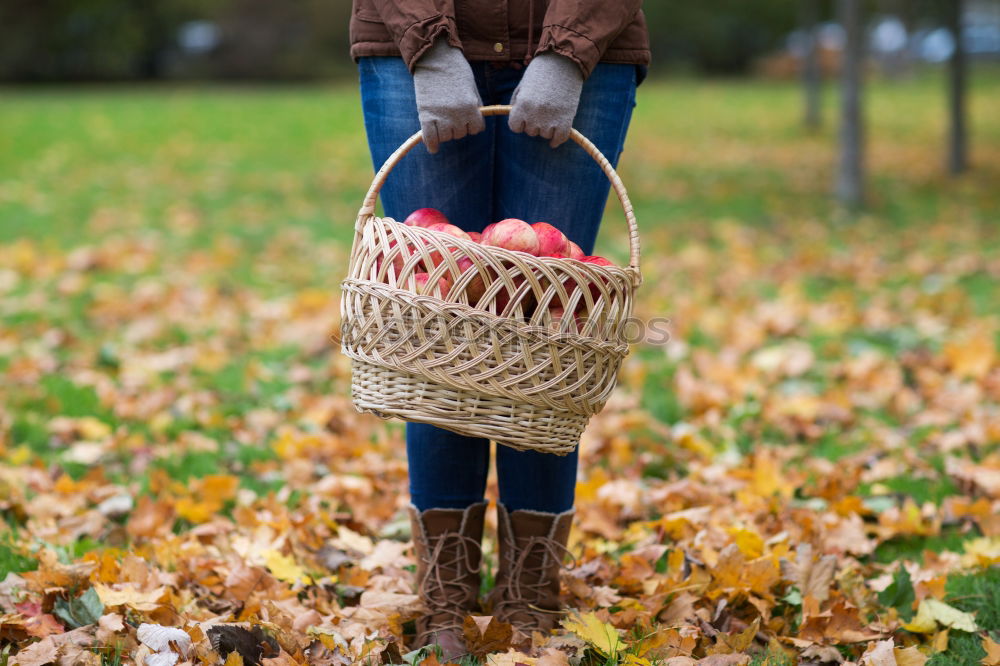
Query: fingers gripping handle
[368,207]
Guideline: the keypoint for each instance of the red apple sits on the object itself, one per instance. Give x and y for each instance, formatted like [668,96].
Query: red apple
[476,236]
[422,285]
[511,234]
[550,240]
[573,250]
[450,229]
[424,217]
[599,261]
[595,293]
[398,259]
[475,289]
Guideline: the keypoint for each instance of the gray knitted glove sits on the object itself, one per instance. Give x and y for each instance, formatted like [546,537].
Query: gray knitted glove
[545,101]
[447,98]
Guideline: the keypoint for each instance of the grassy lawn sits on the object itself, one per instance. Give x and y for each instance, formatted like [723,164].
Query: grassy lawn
[169,269]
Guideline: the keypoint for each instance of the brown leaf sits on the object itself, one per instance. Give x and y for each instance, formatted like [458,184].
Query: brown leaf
[150,518]
[36,654]
[811,576]
[679,611]
[724,660]
[485,634]
[737,642]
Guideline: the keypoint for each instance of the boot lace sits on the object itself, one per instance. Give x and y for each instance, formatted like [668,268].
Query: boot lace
[529,579]
[445,596]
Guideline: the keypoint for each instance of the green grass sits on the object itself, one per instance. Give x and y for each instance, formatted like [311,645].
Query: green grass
[978,594]
[13,559]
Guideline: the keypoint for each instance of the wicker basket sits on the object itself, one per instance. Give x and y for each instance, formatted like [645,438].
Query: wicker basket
[488,356]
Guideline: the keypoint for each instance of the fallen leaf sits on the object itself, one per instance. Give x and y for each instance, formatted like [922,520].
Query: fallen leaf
[83,610]
[284,567]
[812,576]
[992,649]
[486,634]
[36,654]
[601,635]
[879,653]
[932,612]
[128,595]
[909,656]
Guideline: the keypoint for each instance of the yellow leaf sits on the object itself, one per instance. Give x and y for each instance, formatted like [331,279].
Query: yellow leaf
[932,612]
[767,477]
[992,649]
[981,552]
[601,635]
[92,429]
[234,659]
[633,660]
[284,567]
[972,357]
[923,622]
[129,596]
[749,542]
[20,455]
[196,512]
[587,490]
[910,656]
[217,488]
[940,641]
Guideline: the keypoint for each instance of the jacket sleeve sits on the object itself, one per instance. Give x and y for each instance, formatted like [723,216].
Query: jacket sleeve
[416,24]
[583,29]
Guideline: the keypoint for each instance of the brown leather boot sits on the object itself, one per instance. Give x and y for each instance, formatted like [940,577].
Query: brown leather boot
[448,544]
[532,545]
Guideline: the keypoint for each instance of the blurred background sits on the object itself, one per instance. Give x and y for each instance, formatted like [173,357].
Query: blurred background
[817,188]
[112,40]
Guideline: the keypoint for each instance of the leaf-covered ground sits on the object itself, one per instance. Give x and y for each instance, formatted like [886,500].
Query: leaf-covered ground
[807,469]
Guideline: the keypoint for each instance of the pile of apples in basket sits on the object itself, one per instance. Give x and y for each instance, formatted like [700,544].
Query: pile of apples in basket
[500,285]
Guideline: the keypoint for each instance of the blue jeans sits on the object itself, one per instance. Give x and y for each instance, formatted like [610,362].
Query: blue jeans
[475,181]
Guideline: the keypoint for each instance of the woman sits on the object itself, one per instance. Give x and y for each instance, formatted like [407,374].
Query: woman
[430,65]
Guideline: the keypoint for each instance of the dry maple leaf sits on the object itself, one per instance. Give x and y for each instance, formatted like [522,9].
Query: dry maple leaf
[601,635]
[485,634]
[879,653]
[992,649]
[811,576]
[910,656]
[37,654]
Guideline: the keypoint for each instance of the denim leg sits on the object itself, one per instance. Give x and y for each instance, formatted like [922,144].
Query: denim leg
[457,180]
[565,187]
[446,470]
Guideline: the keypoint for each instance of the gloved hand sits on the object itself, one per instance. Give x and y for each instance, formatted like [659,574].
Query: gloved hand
[544,103]
[447,98]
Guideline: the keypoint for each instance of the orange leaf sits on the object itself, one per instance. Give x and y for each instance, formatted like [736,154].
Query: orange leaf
[486,634]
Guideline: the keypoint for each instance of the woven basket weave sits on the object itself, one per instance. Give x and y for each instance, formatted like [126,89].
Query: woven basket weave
[487,357]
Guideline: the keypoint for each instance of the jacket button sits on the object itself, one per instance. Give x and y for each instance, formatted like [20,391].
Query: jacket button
[498,47]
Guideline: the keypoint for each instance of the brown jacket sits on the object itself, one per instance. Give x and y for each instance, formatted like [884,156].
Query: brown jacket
[587,31]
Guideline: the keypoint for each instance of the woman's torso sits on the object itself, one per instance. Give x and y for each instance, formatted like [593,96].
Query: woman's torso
[499,30]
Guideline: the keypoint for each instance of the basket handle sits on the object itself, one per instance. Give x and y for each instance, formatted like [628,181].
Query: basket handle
[368,207]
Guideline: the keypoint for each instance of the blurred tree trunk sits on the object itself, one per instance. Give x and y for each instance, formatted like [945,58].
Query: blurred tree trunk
[812,79]
[850,173]
[958,160]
